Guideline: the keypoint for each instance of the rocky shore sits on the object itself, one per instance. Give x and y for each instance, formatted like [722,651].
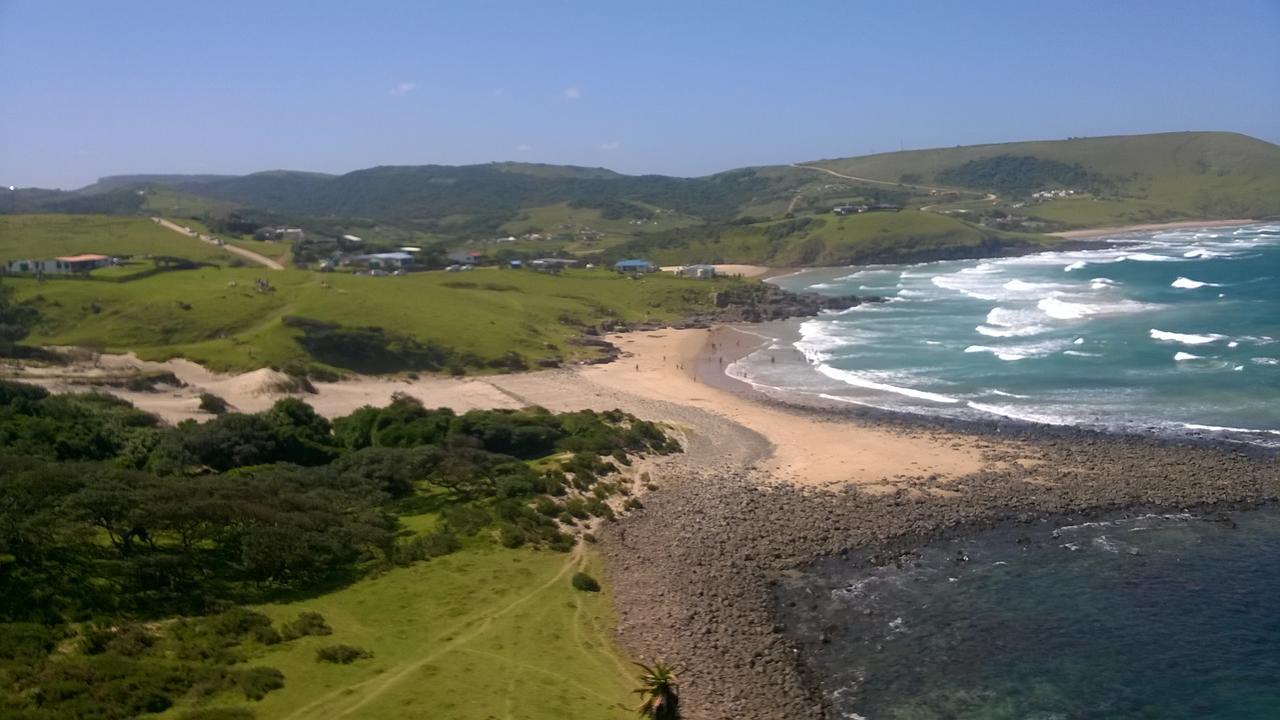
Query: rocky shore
[694,572]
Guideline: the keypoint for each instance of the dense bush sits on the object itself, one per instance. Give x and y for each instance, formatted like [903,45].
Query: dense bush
[585,582]
[213,404]
[341,654]
[109,520]
[308,623]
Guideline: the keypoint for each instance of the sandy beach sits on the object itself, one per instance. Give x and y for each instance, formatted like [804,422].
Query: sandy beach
[1151,227]
[674,376]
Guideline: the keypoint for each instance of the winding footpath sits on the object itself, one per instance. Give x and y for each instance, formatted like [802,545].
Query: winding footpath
[992,197]
[249,255]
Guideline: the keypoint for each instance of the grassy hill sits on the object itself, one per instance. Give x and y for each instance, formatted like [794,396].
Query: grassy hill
[1141,178]
[216,316]
[43,236]
[1114,181]
[910,235]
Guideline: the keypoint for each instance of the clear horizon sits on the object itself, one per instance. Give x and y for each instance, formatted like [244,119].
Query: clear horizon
[235,88]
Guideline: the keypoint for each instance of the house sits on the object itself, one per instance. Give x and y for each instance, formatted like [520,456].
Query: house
[63,265]
[552,265]
[634,266]
[466,257]
[701,272]
[353,239]
[383,261]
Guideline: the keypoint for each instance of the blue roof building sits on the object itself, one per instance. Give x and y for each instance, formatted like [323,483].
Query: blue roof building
[633,266]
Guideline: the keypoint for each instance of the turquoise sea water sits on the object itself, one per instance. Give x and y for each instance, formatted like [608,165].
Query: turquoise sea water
[1169,617]
[1176,334]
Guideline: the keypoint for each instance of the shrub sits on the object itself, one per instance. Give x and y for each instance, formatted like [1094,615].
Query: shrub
[632,503]
[546,506]
[561,542]
[308,623]
[256,682]
[341,654]
[511,536]
[427,546]
[213,404]
[585,582]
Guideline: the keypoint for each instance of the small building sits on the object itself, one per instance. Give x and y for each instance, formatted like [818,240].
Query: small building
[64,265]
[353,239]
[465,257]
[634,266]
[383,261]
[552,265]
[701,272]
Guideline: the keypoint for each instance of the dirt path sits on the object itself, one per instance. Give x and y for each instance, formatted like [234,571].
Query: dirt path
[250,255]
[451,639]
[990,196]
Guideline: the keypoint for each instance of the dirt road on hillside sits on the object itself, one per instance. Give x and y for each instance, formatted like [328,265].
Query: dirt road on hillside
[249,255]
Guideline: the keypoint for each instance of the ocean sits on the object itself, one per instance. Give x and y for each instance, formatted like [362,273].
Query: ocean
[1168,616]
[1172,333]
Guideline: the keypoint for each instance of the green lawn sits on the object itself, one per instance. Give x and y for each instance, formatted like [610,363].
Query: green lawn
[228,325]
[43,236]
[483,633]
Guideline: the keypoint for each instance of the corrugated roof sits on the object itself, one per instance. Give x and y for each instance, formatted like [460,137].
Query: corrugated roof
[82,258]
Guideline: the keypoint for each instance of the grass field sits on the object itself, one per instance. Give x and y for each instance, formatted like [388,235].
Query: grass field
[228,325]
[483,633]
[43,236]
[834,240]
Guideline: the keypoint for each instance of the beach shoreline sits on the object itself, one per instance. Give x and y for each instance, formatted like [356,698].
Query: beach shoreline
[1152,227]
[764,488]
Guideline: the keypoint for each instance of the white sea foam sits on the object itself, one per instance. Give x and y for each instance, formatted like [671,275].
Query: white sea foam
[1101,283]
[1185,338]
[1016,413]
[1012,322]
[1009,394]
[1002,354]
[856,380]
[1181,356]
[1204,254]
[1077,353]
[1060,309]
[1222,428]
[1265,361]
[1149,257]
[1189,284]
[1077,265]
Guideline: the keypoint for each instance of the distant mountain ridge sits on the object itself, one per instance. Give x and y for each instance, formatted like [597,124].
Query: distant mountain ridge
[1134,178]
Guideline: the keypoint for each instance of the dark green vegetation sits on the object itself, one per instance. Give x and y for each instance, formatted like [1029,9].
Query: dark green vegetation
[112,525]
[659,700]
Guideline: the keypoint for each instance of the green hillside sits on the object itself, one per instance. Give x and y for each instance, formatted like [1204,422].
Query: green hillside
[44,236]
[1137,178]
[910,235]
[422,321]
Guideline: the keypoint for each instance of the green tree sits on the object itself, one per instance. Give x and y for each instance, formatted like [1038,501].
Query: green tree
[657,691]
[16,320]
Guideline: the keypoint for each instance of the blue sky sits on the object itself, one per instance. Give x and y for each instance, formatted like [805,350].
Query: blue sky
[682,88]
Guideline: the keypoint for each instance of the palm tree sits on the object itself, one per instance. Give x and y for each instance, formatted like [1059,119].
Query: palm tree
[658,690]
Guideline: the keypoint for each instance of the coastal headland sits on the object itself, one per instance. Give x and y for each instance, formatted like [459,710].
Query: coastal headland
[764,488]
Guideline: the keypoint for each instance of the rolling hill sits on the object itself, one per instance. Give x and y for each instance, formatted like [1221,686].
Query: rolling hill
[1137,178]
[974,193]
